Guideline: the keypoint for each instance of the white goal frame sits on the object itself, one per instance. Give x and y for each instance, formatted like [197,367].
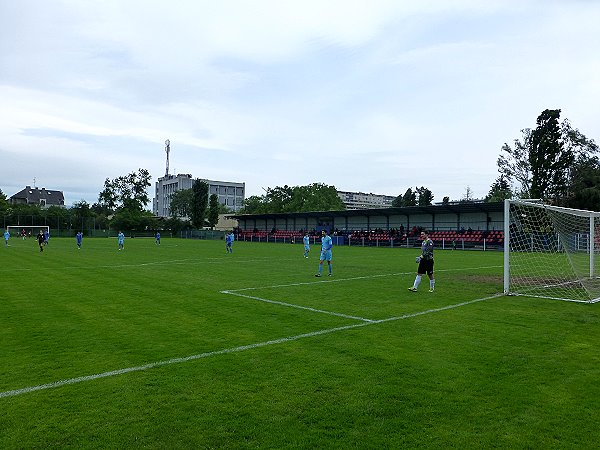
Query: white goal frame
[551,252]
[33,228]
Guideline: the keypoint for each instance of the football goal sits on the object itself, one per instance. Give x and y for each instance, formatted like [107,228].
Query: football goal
[551,252]
[29,230]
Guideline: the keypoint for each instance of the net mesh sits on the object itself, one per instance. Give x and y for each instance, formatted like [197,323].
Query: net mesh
[552,253]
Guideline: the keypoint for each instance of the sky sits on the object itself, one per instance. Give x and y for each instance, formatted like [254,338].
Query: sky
[371,96]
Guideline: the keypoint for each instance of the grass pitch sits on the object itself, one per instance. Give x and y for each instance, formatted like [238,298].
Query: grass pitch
[184,346]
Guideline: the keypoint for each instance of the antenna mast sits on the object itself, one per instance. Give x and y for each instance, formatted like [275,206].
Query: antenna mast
[167,150]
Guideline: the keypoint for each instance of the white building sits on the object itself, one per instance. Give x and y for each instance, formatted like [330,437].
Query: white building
[360,200]
[229,193]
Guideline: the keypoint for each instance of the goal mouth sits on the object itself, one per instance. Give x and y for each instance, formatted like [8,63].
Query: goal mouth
[16,230]
[551,252]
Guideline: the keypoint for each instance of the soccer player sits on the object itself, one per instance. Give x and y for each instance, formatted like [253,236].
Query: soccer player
[79,238]
[46,237]
[6,236]
[41,240]
[121,240]
[326,244]
[425,263]
[306,240]
[157,238]
[229,238]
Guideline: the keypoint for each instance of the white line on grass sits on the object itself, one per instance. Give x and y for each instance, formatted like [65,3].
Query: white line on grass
[153,365]
[291,305]
[338,280]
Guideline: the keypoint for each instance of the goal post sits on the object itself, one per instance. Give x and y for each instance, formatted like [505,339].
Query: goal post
[551,251]
[31,230]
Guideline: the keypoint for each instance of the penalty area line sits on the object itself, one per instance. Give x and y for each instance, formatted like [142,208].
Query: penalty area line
[112,373]
[291,305]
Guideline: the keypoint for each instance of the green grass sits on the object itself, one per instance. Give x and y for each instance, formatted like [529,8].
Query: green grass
[282,359]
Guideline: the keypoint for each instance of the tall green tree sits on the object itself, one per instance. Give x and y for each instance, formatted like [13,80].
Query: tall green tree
[514,165]
[181,203]
[425,196]
[409,198]
[3,201]
[127,191]
[213,210]
[499,190]
[548,159]
[539,165]
[199,203]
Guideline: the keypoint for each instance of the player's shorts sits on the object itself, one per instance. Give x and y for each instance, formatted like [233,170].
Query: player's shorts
[325,255]
[307,247]
[425,266]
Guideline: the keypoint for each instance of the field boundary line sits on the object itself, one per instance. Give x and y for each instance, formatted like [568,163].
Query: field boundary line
[56,384]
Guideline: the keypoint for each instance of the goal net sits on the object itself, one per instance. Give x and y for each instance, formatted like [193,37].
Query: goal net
[29,230]
[551,252]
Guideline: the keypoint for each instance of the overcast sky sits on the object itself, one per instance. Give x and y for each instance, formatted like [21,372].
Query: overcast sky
[371,96]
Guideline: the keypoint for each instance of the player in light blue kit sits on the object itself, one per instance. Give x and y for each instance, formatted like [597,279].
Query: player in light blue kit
[326,244]
[6,237]
[121,240]
[306,240]
[229,238]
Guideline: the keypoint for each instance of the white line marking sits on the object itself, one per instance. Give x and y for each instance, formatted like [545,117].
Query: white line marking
[337,280]
[112,373]
[291,305]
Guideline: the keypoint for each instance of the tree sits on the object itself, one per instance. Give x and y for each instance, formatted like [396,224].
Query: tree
[499,190]
[425,196]
[3,201]
[213,210]
[313,197]
[81,212]
[468,197]
[199,203]
[128,191]
[254,205]
[409,198]
[548,160]
[585,184]
[181,203]
[540,165]
[398,202]
[515,164]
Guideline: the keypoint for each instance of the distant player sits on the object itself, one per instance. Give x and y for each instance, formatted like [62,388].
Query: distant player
[23,234]
[306,240]
[121,240]
[425,263]
[326,245]
[6,237]
[41,240]
[157,238]
[46,237]
[229,238]
[79,239]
